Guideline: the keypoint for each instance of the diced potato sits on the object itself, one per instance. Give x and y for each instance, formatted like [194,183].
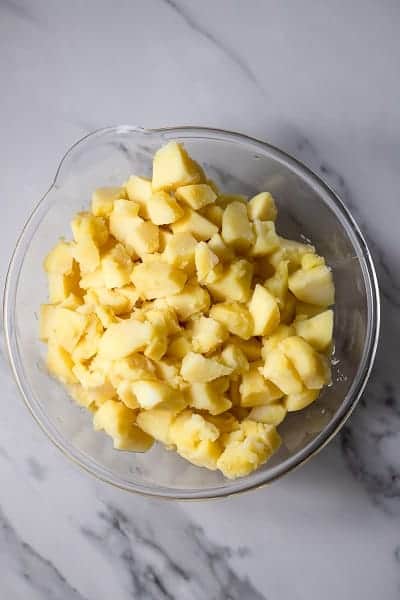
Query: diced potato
[116,265]
[156,422]
[305,310]
[266,239]
[207,334]
[159,310]
[305,360]
[152,394]
[158,343]
[196,196]
[103,200]
[213,213]
[89,342]
[205,260]
[271,414]
[224,200]
[236,227]
[247,448]
[200,227]
[209,396]
[130,293]
[282,373]
[87,377]
[192,300]
[164,235]
[138,236]
[72,301]
[196,439]
[93,280]
[317,330]
[60,363]
[68,326]
[288,309]
[172,168]
[235,282]
[163,209]
[264,310]
[131,368]
[218,246]
[123,338]
[47,320]
[255,390]
[277,285]
[236,318]
[139,190]
[294,251]
[311,260]
[232,356]
[294,402]
[157,279]
[198,369]
[113,299]
[314,286]
[126,395]
[90,234]
[61,286]
[118,421]
[60,259]
[262,207]
[93,397]
[179,251]
[270,342]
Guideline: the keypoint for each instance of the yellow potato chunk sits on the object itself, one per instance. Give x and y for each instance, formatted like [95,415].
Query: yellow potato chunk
[198,369]
[314,286]
[196,196]
[232,356]
[46,321]
[68,326]
[270,342]
[293,251]
[157,279]
[305,360]
[271,414]
[173,168]
[247,448]
[236,318]
[139,190]
[205,260]
[264,310]
[123,338]
[93,397]
[207,334]
[196,439]
[179,347]
[294,402]
[180,251]
[192,300]
[262,207]
[235,282]
[89,342]
[210,396]
[60,259]
[266,239]
[62,286]
[251,348]
[200,227]
[163,209]
[236,227]
[281,372]
[90,234]
[157,422]
[218,246]
[213,213]
[118,421]
[317,330]
[116,266]
[255,390]
[103,200]
[152,394]
[277,285]
[60,363]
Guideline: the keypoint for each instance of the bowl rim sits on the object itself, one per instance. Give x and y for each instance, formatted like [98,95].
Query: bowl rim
[348,403]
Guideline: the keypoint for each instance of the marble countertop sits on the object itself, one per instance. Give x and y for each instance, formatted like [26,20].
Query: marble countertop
[319,79]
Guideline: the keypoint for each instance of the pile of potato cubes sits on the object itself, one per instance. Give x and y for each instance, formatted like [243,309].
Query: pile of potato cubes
[178,314]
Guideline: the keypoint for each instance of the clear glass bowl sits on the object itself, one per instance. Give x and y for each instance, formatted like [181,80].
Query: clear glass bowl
[307,209]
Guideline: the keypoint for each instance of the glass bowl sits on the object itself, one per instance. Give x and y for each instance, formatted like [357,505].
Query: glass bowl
[308,209]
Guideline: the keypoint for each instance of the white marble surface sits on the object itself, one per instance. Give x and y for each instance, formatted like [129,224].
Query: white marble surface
[319,79]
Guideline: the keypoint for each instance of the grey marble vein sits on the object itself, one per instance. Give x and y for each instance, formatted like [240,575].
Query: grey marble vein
[231,54]
[39,574]
[157,569]
[20,11]
[36,469]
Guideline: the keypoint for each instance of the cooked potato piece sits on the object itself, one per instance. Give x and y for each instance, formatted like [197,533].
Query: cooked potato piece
[196,439]
[103,200]
[118,421]
[60,363]
[234,282]
[218,246]
[266,239]
[116,266]
[232,356]
[236,227]
[277,285]
[213,213]
[173,168]
[299,401]
[210,396]
[163,209]
[305,360]
[139,190]
[152,394]
[205,260]
[270,342]
[264,310]
[60,259]
[196,196]
[207,334]
[156,422]
[179,347]
[157,279]
[68,326]
[196,224]
[271,414]
[282,373]
[255,390]
[314,286]
[123,338]
[251,348]
[193,299]
[294,251]
[198,369]
[317,330]
[236,318]
[262,207]
[180,251]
